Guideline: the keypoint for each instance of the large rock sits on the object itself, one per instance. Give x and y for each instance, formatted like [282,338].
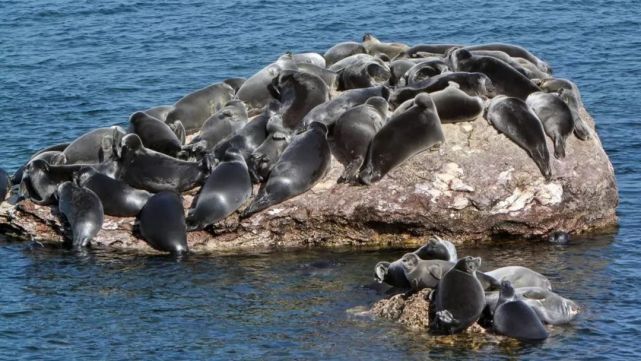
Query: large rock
[479,186]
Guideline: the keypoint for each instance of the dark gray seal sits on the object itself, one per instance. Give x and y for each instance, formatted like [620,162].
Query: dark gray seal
[162,223]
[83,210]
[363,72]
[118,199]
[298,93]
[223,124]
[474,84]
[424,70]
[455,106]
[353,132]
[154,133]
[402,137]
[303,163]
[51,157]
[227,188]
[264,158]
[550,307]
[458,300]
[506,80]
[330,78]
[146,169]
[328,112]
[556,117]
[514,318]
[569,93]
[520,276]
[341,51]
[194,108]
[512,117]
[254,91]
[235,83]
[160,112]
[392,274]
[5,184]
[531,71]
[247,139]
[513,51]
[437,248]
[416,50]
[88,148]
[424,273]
[374,46]
[398,68]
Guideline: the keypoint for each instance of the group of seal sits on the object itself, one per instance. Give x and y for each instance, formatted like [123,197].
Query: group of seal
[513,301]
[371,104]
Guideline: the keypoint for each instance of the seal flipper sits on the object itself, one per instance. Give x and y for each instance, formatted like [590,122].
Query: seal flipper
[350,173]
[559,147]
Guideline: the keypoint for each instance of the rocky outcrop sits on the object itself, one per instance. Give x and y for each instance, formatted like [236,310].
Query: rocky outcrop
[479,186]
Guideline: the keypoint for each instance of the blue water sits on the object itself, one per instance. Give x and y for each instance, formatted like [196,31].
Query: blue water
[70,66]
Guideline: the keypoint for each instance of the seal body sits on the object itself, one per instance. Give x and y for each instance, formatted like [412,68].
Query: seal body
[569,93]
[5,183]
[235,83]
[424,273]
[226,189]
[550,307]
[222,124]
[162,223]
[514,318]
[160,112]
[392,274]
[303,163]
[298,93]
[262,160]
[459,298]
[512,117]
[455,106]
[403,136]
[556,117]
[154,133]
[424,70]
[118,199]
[375,46]
[247,139]
[254,91]
[83,210]
[353,132]
[520,276]
[328,112]
[194,108]
[341,51]
[88,149]
[513,51]
[437,248]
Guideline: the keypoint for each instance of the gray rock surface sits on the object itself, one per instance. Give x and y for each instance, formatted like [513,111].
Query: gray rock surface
[479,186]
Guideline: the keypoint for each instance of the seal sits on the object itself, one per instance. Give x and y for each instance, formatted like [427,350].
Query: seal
[5,184]
[83,210]
[194,108]
[424,273]
[392,274]
[341,51]
[329,77]
[416,50]
[118,199]
[531,72]
[227,188]
[438,248]
[559,237]
[403,136]
[254,91]
[298,93]
[425,70]
[235,83]
[262,160]
[474,84]
[152,171]
[556,117]
[328,112]
[569,93]
[88,148]
[512,117]
[162,223]
[458,300]
[303,163]
[160,112]
[398,68]
[374,46]
[550,307]
[513,51]
[52,157]
[514,318]
[455,106]
[353,132]
[305,58]
[506,80]
[363,72]
[520,277]
[154,133]
[247,139]
[223,124]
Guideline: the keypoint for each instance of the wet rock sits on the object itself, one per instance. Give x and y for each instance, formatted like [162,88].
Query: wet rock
[479,186]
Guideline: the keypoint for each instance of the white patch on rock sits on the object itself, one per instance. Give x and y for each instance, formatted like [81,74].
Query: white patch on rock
[459,203]
[275,211]
[457,185]
[549,194]
[505,176]
[523,199]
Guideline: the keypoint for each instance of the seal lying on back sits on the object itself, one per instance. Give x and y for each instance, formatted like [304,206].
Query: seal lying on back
[459,300]
[162,223]
[83,210]
[506,79]
[556,118]
[514,318]
[303,163]
[194,108]
[404,135]
[226,189]
[512,117]
[353,132]
[550,307]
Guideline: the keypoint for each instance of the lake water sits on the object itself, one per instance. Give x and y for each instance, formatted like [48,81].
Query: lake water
[70,66]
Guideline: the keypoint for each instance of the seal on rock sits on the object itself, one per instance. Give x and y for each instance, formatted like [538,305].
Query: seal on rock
[437,248]
[520,276]
[160,112]
[353,133]
[424,273]
[162,223]
[556,117]
[83,210]
[248,138]
[303,163]
[550,307]
[254,91]
[455,106]
[342,50]
[513,51]
[403,136]
[424,70]
[512,117]
[5,184]
[392,274]
[227,188]
[154,133]
[222,124]
[118,199]
[514,318]
[328,112]
[194,108]
[298,93]
[88,148]
[459,299]
[375,46]
[569,93]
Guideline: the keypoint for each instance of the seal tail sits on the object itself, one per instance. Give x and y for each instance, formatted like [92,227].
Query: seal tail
[580,129]
[559,148]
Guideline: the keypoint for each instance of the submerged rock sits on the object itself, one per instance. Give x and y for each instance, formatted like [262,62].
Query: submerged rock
[479,186]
